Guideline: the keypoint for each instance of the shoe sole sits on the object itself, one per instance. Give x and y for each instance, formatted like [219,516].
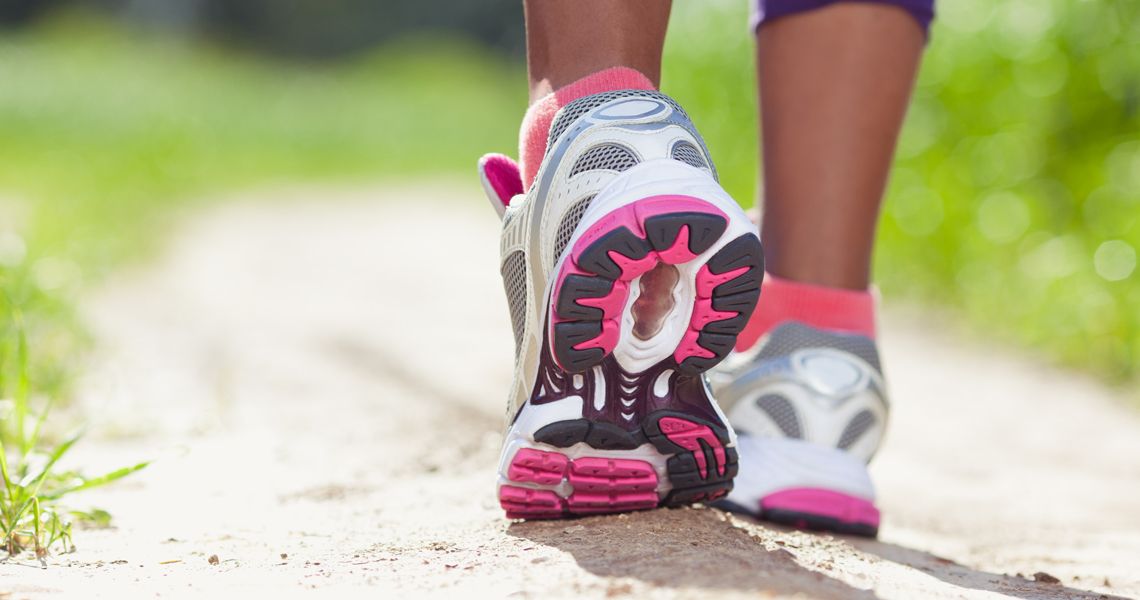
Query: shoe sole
[803,485]
[581,479]
[815,510]
[657,438]
[593,286]
[822,510]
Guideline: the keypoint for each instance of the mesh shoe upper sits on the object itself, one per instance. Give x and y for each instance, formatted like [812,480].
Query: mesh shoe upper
[804,383]
[587,149]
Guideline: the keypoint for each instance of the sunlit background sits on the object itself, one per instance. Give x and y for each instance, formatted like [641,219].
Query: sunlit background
[1014,202]
[1013,212]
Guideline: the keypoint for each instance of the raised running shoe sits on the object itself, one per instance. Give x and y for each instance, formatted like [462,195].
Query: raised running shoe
[629,272]
[809,407]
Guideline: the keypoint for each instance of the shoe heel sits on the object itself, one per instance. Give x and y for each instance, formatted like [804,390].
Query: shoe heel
[591,290]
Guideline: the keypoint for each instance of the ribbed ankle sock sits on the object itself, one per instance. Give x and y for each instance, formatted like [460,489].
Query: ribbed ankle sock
[832,309]
[536,124]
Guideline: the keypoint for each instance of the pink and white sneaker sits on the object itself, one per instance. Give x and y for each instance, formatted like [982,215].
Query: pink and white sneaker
[810,407]
[629,272]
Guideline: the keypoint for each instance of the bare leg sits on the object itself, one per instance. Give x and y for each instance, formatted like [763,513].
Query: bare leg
[834,87]
[569,39]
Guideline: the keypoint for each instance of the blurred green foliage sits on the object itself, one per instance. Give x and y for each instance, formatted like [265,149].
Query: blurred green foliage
[107,133]
[104,130]
[1014,199]
[1016,194]
[101,128]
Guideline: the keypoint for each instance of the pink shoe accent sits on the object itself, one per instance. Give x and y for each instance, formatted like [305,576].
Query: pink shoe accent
[613,476]
[612,303]
[833,309]
[703,314]
[536,124]
[599,485]
[707,280]
[526,503]
[607,340]
[689,436]
[535,466]
[689,346]
[679,252]
[501,174]
[632,216]
[826,503]
[592,503]
[633,268]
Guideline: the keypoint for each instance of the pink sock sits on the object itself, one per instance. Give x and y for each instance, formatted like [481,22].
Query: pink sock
[834,309]
[540,115]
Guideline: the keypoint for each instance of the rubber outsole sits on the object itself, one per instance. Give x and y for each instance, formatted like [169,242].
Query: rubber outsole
[802,520]
[700,468]
[592,287]
[650,437]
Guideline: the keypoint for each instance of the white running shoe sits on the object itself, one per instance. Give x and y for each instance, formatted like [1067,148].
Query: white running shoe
[629,272]
[810,407]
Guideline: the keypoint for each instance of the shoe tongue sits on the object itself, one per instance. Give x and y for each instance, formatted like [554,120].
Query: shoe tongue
[501,180]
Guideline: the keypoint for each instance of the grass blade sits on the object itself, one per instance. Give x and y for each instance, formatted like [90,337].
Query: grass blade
[98,481]
[60,450]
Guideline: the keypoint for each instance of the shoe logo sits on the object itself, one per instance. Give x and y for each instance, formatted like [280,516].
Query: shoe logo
[630,109]
[828,372]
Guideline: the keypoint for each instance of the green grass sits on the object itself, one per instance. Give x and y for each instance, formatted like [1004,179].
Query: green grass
[31,486]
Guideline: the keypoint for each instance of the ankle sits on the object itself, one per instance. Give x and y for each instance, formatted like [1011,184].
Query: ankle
[536,124]
[827,308]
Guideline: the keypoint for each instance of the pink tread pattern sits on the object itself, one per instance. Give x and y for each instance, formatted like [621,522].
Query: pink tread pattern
[610,475]
[598,485]
[827,503]
[632,216]
[534,466]
[689,436]
[526,503]
[612,303]
[704,313]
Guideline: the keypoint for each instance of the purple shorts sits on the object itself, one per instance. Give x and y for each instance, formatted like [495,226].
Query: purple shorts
[766,10]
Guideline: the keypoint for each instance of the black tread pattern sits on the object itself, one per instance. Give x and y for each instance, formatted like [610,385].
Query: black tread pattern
[584,323]
[629,417]
[704,230]
[579,323]
[596,257]
[739,294]
[684,474]
[602,436]
[571,333]
[578,287]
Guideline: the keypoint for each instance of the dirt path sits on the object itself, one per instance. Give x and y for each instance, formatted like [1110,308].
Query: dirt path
[321,377]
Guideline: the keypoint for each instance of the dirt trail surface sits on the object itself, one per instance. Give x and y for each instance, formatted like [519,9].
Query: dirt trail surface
[321,376]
